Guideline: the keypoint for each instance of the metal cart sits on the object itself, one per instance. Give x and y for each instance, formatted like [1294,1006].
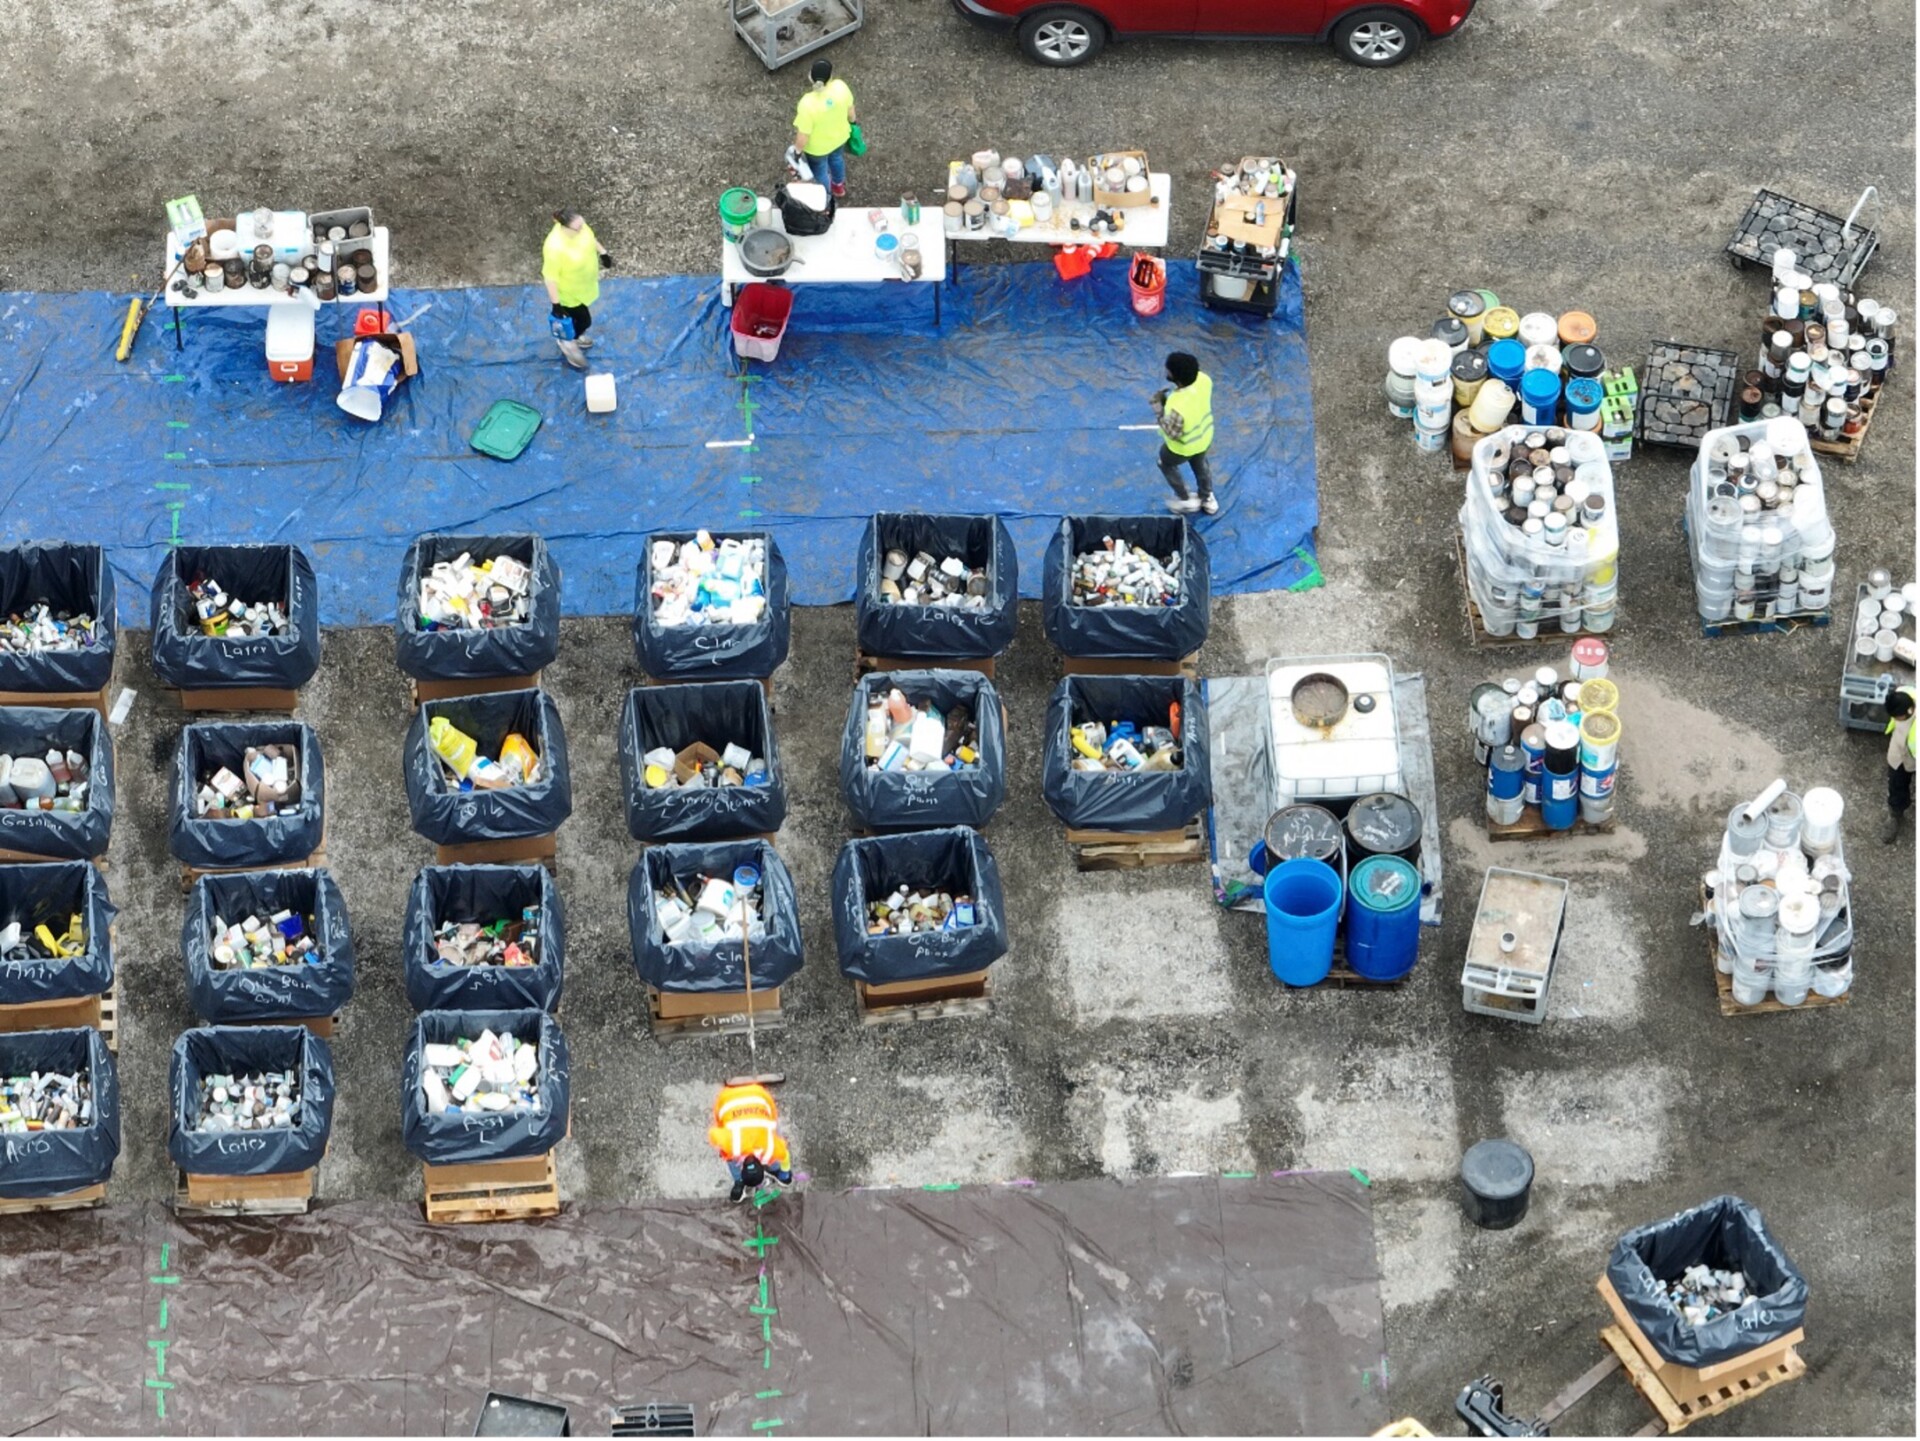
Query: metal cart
[779,32]
[1237,276]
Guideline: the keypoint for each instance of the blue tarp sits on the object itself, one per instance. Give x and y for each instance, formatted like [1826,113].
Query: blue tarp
[1015,404]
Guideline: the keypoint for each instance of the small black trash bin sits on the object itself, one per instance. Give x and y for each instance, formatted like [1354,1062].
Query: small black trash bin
[1116,628]
[186,659]
[484,895]
[295,830]
[71,580]
[52,895]
[53,1162]
[455,817]
[708,966]
[882,798]
[712,648]
[461,1137]
[30,732]
[239,1051]
[935,632]
[1135,800]
[223,992]
[716,714]
[955,860]
[430,650]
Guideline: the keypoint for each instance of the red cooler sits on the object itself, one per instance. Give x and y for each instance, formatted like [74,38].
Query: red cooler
[290,342]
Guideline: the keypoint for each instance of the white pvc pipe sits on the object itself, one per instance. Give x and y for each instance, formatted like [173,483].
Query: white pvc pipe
[1766,798]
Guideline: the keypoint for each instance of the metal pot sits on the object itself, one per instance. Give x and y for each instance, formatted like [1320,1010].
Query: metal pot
[766,253]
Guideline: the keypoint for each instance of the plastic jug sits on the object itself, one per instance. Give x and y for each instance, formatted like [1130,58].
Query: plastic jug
[456,748]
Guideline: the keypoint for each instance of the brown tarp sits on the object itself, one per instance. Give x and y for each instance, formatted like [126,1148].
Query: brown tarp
[1182,1306]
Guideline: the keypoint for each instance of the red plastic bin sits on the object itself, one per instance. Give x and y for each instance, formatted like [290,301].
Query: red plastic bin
[760,315]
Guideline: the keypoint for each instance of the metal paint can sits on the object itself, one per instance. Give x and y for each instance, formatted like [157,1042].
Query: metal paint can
[1589,660]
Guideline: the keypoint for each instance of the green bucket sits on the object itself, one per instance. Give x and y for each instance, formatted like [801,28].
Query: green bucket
[738,207]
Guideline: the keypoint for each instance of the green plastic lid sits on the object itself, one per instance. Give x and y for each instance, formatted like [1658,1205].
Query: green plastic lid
[505,430]
[1384,883]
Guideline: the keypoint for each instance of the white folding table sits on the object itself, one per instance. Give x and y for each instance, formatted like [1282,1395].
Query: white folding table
[847,254]
[1146,225]
[377,243]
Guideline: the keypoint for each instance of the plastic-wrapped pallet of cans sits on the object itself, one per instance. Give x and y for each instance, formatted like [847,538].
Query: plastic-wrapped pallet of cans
[1757,524]
[1540,532]
[1779,898]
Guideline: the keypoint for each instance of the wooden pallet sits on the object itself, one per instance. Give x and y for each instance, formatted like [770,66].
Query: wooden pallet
[517,1190]
[84,1199]
[766,681]
[316,861]
[265,698]
[99,1012]
[1136,850]
[321,1026]
[1723,983]
[864,664]
[1187,666]
[1532,826]
[1847,449]
[1774,625]
[1477,633]
[451,689]
[675,1015]
[939,998]
[12,857]
[1683,1394]
[282,1193]
[59,700]
[519,850]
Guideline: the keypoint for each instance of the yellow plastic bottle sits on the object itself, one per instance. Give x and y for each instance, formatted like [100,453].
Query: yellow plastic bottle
[456,748]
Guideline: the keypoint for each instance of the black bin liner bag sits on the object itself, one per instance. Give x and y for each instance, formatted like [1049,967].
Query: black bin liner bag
[52,895]
[676,716]
[470,653]
[1726,1234]
[471,1136]
[448,817]
[249,1050]
[51,1163]
[892,799]
[954,859]
[1152,632]
[265,840]
[270,993]
[60,835]
[713,652]
[931,631]
[484,894]
[256,574]
[72,578]
[696,966]
[1140,800]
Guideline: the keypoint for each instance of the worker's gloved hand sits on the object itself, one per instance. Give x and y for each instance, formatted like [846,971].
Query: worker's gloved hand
[606,261]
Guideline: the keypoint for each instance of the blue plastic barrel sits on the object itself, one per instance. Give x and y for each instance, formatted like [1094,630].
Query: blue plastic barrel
[1560,799]
[1303,913]
[1506,359]
[1540,397]
[1383,918]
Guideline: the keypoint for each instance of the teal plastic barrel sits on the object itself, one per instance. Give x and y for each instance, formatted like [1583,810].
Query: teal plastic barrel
[1303,913]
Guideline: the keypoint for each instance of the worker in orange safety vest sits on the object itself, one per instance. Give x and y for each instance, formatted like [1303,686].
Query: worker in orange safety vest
[746,1133]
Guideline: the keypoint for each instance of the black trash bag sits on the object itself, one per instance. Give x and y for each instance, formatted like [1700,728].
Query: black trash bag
[52,895]
[271,993]
[476,654]
[248,1050]
[51,1163]
[448,817]
[1152,632]
[928,631]
[289,835]
[717,713]
[256,574]
[697,966]
[892,799]
[955,859]
[454,1139]
[1140,800]
[60,835]
[76,580]
[484,894]
[1727,1234]
[713,652]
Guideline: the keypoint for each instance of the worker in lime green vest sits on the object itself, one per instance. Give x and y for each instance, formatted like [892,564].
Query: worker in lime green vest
[822,126]
[1186,431]
[570,263]
[1900,760]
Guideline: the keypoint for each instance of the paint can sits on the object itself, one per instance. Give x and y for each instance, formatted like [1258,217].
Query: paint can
[1538,328]
[324,287]
[1426,435]
[1470,308]
[1383,918]
[1469,371]
[1432,402]
[1599,740]
[1596,795]
[1501,323]
[1451,332]
[1589,660]
[1506,785]
[1383,824]
[955,212]
[1432,362]
[1583,404]
[1576,327]
[214,278]
[1489,720]
[1506,360]
[1491,406]
[1539,397]
[974,215]
[1465,437]
[1401,355]
[346,280]
[1820,812]
[1544,357]
[1745,833]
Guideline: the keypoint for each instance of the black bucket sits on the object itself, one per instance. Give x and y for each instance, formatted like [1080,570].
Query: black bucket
[1496,1182]
[1383,825]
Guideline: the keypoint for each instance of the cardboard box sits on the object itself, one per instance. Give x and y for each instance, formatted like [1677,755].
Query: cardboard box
[1119,198]
[393,340]
[693,758]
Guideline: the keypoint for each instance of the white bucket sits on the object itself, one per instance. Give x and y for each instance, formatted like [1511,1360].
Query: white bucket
[602,393]
[1433,363]
[1820,812]
[1599,741]
[1833,978]
[1750,982]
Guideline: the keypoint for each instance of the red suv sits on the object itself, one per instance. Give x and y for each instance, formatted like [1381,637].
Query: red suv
[1371,34]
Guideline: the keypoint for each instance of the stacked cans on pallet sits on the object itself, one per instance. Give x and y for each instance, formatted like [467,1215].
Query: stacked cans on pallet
[1550,740]
[1823,354]
[1757,524]
[1541,538]
[1779,898]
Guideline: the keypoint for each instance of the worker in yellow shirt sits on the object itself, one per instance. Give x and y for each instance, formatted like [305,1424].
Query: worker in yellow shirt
[822,126]
[746,1133]
[1185,412]
[570,263]
[1903,732]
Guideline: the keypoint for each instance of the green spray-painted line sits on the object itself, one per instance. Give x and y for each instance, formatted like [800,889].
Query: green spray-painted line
[1313,579]
[747,512]
[1359,1175]
[171,379]
[173,455]
[173,485]
[766,1329]
[768,1425]
[764,1198]
[765,1395]
[766,1359]
[160,1405]
[1236,1175]
[178,424]
[763,1288]
[166,1250]
[749,480]
[159,1385]
[942,1186]
[759,1244]
[163,1313]
[763,1310]
[163,1280]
